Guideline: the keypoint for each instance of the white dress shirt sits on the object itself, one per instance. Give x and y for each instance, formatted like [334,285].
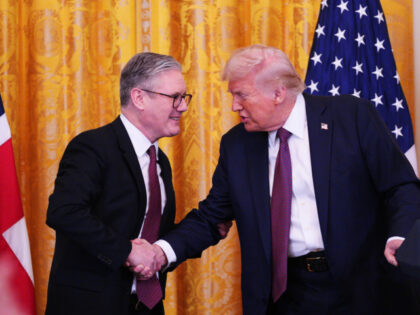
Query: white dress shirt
[305,230]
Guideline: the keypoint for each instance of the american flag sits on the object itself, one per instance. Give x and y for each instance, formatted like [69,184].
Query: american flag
[351,54]
[16,279]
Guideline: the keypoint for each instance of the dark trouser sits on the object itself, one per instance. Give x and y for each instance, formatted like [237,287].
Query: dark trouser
[138,308]
[310,293]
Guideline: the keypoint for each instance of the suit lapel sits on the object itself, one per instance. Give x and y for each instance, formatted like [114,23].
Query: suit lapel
[168,214]
[320,129]
[129,154]
[257,157]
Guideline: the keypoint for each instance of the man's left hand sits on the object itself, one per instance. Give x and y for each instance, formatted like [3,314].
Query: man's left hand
[224,228]
[390,250]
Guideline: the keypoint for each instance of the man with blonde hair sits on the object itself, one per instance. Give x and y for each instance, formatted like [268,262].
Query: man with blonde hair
[318,188]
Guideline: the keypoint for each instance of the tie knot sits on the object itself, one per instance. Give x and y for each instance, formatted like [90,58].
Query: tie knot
[283,134]
[152,153]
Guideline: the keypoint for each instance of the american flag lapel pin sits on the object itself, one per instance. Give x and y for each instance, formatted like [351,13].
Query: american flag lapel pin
[324,126]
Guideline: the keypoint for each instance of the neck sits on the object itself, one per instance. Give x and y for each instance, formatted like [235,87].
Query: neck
[284,110]
[132,116]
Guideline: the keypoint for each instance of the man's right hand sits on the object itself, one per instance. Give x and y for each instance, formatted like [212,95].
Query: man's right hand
[145,259]
[143,255]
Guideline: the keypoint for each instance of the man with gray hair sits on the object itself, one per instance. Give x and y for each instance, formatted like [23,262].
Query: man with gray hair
[115,185]
[318,188]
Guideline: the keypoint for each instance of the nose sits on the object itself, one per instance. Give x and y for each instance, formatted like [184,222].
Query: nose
[236,104]
[183,106]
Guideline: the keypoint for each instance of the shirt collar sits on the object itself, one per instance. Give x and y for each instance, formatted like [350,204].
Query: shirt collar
[295,123]
[140,142]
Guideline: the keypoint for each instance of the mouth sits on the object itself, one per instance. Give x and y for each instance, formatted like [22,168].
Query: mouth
[175,118]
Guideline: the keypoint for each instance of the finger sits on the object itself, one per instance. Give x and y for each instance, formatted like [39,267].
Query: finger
[146,271]
[144,277]
[141,276]
[138,241]
[390,257]
[138,269]
[145,274]
[223,233]
[393,261]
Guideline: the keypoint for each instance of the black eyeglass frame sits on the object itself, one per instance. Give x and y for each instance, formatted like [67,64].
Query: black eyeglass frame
[179,97]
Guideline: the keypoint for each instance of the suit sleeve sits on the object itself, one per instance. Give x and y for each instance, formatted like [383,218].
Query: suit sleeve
[390,171]
[72,206]
[198,230]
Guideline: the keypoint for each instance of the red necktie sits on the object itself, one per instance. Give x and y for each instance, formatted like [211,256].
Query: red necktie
[149,291]
[281,201]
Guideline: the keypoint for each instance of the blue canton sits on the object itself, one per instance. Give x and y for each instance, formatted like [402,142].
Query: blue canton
[351,54]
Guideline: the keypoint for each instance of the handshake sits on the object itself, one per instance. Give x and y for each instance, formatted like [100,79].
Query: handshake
[145,259]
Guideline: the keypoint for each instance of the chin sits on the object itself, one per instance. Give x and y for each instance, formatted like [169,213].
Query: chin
[174,132]
[251,128]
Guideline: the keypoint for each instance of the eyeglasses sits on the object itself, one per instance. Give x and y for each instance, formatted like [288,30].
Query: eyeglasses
[177,99]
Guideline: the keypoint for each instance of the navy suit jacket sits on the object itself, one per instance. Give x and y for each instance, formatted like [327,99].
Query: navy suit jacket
[97,207]
[365,191]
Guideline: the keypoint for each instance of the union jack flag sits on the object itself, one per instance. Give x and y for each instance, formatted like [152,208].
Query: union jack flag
[16,278]
[351,54]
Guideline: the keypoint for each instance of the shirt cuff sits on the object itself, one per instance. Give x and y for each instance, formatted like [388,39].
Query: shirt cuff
[395,238]
[169,252]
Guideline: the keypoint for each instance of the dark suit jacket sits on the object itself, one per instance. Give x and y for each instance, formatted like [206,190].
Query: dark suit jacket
[365,192]
[97,207]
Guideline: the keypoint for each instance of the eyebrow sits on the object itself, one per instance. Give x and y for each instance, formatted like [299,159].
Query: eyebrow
[178,93]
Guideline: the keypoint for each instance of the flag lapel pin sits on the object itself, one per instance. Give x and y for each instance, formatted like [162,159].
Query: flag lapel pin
[324,126]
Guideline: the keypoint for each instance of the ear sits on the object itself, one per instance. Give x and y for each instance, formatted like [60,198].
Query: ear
[137,98]
[280,94]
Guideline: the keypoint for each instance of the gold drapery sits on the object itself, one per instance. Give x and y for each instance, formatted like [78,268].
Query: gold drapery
[59,72]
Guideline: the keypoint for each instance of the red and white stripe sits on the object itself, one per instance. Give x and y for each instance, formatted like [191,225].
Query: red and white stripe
[16,277]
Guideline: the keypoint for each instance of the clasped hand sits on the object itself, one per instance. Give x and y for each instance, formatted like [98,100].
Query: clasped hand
[145,259]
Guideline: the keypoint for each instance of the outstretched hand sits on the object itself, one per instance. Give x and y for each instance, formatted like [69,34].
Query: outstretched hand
[145,259]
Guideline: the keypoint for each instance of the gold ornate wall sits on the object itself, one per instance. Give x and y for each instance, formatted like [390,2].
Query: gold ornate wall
[59,71]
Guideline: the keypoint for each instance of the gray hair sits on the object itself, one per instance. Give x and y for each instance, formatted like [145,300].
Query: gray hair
[141,69]
[272,63]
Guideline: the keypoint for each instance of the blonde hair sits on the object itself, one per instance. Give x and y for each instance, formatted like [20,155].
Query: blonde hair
[269,63]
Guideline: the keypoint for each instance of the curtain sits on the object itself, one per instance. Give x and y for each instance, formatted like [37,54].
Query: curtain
[59,75]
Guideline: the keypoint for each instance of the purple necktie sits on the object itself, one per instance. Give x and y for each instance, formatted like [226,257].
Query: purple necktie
[149,291]
[281,201]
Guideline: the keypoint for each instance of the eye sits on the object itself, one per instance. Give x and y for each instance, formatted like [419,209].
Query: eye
[241,95]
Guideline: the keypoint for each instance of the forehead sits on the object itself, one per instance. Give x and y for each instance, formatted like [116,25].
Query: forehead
[169,81]
[242,84]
